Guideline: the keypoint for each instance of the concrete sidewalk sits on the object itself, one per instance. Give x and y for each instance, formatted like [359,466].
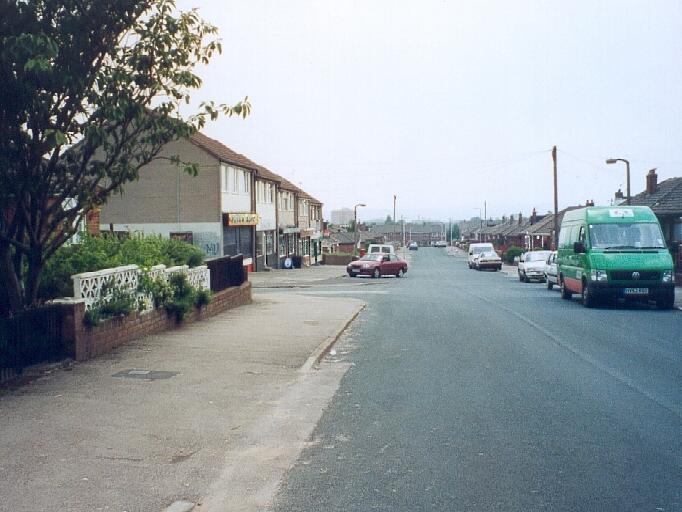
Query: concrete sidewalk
[297,277]
[212,413]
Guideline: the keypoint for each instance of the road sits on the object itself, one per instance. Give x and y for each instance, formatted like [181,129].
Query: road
[472,391]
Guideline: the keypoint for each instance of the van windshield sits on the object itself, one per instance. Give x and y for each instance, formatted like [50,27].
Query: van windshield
[479,250]
[641,235]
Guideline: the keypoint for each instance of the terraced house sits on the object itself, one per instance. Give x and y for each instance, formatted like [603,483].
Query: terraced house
[233,206]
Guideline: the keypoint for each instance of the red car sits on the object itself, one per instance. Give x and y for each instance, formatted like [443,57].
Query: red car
[377,265]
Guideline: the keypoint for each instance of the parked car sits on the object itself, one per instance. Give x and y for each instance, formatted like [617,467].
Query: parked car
[616,253]
[377,265]
[478,248]
[551,274]
[441,243]
[532,266]
[488,259]
[414,246]
[380,248]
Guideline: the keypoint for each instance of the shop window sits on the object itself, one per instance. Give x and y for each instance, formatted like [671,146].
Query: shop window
[269,242]
[238,240]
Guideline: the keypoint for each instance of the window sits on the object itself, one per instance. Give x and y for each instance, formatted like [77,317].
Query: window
[237,240]
[235,180]
[224,178]
[246,182]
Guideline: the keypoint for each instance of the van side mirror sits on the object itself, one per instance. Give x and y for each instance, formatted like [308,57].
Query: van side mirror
[579,247]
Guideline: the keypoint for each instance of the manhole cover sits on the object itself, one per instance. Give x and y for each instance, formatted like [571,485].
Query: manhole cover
[145,374]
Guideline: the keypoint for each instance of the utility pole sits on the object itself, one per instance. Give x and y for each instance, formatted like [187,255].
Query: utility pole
[485,212]
[395,239]
[556,202]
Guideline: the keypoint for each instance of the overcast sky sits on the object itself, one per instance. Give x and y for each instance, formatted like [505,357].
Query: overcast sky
[451,103]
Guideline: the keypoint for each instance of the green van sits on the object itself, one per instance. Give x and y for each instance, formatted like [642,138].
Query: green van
[614,252]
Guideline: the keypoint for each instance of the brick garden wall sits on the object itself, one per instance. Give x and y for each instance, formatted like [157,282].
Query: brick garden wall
[336,259]
[87,342]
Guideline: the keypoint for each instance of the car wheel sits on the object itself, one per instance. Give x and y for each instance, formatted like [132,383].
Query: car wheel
[376,273]
[587,295]
[400,273]
[352,275]
[565,293]
[526,279]
[667,301]
[550,285]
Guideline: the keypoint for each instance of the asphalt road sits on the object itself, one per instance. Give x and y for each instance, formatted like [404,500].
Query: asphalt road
[472,391]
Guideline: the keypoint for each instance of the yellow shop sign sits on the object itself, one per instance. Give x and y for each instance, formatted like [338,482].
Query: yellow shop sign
[242,219]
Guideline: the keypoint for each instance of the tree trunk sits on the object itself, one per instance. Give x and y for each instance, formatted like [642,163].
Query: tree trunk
[35,270]
[10,279]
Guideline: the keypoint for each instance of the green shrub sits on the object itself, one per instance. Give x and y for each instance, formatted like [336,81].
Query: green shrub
[115,303]
[512,252]
[107,251]
[203,298]
[183,299]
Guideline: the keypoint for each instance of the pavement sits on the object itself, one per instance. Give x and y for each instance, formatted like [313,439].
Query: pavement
[204,418]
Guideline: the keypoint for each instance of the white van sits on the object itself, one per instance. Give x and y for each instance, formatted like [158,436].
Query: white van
[380,248]
[475,249]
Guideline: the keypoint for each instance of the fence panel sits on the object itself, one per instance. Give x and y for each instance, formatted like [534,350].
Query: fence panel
[226,271]
[28,338]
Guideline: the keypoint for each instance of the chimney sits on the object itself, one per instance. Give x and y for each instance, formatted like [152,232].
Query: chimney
[511,219]
[534,217]
[589,202]
[651,181]
[520,218]
[619,197]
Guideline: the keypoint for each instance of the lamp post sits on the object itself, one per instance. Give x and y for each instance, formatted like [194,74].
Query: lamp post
[627,173]
[480,227]
[355,217]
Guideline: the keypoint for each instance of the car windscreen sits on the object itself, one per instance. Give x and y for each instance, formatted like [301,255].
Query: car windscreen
[635,235]
[372,257]
[489,254]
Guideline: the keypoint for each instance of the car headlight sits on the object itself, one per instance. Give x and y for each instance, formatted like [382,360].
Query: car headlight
[598,275]
[668,276]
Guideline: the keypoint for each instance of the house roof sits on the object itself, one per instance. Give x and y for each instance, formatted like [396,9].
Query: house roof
[227,155]
[666,200]
[222,152]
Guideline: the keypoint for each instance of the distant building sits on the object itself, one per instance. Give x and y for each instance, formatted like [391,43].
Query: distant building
[342,217]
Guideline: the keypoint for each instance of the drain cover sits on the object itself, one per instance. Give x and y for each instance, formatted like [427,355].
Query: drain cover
[145,374]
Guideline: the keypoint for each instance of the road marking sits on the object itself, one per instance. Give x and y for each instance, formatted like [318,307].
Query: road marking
[344,292]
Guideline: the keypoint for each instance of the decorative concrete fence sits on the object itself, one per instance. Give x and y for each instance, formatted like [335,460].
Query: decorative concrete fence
[89,285]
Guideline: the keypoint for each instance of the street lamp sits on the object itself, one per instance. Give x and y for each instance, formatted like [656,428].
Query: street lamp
[355,217]
[627,171]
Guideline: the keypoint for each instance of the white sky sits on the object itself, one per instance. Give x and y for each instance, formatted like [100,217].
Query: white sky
[451,103]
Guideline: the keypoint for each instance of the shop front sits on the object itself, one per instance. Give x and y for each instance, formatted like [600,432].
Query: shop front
[239,230]
[288,244]
[305,245]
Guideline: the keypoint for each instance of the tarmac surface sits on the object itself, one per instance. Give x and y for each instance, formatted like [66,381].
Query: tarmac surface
[207,417]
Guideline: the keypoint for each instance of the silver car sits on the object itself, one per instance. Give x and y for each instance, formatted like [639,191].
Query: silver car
[551,274]
[532,266]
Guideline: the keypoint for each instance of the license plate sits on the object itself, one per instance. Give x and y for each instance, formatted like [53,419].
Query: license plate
[355,270]
[636,291]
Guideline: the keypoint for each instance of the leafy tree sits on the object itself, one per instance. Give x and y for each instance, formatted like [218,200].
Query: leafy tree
[92,90]
[389,220]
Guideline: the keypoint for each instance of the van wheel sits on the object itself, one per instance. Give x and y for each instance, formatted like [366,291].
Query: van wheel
[587,295]
[667,301]
[550,284]
[565,293]
[520,276]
